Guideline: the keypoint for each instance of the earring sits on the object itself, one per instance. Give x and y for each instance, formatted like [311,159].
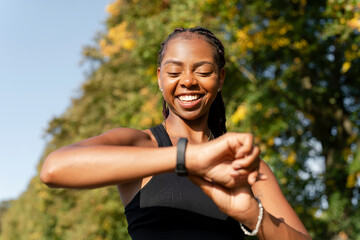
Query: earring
[161,89]
[219,89]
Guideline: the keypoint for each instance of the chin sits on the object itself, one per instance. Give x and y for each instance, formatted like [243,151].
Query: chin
[192,116]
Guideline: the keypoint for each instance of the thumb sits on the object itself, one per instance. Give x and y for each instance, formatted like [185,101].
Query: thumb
[255,176]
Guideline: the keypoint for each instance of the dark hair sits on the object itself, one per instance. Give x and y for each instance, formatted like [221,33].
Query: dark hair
[216,118]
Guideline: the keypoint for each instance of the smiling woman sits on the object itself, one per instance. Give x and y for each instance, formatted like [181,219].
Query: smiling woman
[228,187]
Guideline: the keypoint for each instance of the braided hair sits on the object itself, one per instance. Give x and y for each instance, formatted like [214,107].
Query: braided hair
[216,118]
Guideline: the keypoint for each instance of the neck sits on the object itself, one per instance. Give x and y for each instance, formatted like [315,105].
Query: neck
[196,131]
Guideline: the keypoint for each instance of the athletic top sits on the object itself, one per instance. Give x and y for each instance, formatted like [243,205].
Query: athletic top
[172,207]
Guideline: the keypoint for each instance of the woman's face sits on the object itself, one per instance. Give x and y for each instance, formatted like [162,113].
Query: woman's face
[189,77]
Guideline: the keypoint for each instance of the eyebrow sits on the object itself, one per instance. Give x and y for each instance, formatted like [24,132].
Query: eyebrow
[173,62]
[198,64]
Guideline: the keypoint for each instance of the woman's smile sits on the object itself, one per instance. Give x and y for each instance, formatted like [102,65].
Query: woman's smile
[189,98]
[190,101]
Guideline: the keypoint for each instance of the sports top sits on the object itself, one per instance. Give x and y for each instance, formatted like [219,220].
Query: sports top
[172,207]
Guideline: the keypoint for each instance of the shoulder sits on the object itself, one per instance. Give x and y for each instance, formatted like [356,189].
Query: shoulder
[130,137]
[122,137]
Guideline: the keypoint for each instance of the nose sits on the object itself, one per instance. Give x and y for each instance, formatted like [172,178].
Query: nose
[188,80]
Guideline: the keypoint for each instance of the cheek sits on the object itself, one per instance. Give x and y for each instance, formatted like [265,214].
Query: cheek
[211,85]
[169,85]
[168,81]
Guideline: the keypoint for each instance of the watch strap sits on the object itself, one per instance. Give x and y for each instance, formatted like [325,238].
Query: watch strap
[180,168]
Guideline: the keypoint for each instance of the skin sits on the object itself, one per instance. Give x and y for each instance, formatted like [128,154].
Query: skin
[227,169]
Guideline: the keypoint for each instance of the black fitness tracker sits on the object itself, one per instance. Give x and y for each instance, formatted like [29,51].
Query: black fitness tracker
[180,168]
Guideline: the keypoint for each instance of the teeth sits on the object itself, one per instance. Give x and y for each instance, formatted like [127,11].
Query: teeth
[188,98]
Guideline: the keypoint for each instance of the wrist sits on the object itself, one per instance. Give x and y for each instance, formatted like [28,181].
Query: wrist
[248,215]
[252,227]
[196,159]
[191,162]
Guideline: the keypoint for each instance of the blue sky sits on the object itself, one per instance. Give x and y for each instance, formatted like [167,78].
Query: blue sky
[40,51]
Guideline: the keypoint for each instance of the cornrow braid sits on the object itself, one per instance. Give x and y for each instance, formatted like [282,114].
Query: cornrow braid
[216,118]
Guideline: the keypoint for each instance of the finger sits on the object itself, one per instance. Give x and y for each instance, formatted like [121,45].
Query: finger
[236,165]
[249,162]
[246,144]
[239,175]
[252,177]
[239,172]
[255,151]
[247,140]
[252,180]
[243,151]
[234,173]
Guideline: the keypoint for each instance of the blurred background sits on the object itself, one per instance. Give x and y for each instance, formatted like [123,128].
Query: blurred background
[292,80]
[40,71]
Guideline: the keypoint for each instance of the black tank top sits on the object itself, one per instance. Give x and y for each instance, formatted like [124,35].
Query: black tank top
[171,207]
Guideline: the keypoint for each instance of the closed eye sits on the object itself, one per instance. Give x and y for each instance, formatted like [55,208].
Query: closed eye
[204,74]
[173,74]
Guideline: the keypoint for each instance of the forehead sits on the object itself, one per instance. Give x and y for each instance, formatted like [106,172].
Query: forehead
[189,49]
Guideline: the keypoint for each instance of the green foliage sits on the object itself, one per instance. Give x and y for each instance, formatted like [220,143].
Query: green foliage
[4,206]
[291,80]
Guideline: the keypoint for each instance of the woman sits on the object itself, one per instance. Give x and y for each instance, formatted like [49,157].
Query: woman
[242,194]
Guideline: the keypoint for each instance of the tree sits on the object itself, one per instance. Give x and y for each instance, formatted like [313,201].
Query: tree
[4,206]
[301,98]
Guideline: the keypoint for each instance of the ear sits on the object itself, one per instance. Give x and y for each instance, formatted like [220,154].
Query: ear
[158,78]
[221,77]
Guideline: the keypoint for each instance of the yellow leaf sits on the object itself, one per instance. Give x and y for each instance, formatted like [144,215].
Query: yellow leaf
[117,38]
[291,159]
[270,141]
[258,106]
[354,23]
[351,181]
[239,114]
[283,181]
[354,47]
[114,8]
[128,44]
[303,2]
[345,67]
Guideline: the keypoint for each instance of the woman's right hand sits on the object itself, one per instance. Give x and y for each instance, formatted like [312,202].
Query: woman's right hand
[229,160]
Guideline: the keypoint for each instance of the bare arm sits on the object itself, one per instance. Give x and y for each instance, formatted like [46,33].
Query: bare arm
[120,155]
[280,220]
[125,155]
